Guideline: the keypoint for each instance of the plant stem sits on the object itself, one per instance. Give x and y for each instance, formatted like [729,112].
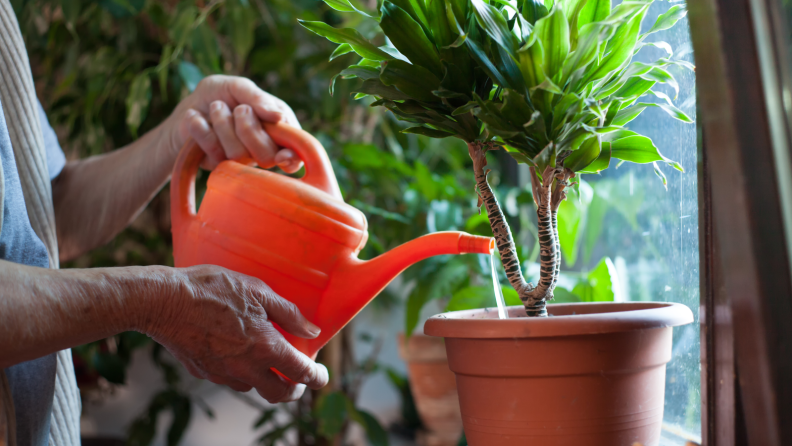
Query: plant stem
[502,232]
[548,239]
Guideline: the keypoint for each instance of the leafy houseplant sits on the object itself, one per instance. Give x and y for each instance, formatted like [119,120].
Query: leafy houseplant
[554,84]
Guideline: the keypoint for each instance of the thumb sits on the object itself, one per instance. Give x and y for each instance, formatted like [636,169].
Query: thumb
[287,315]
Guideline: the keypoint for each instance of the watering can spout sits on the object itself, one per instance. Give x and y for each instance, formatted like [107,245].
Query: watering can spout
[377,273]
[356,283]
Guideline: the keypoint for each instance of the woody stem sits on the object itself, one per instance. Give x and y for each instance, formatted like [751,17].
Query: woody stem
[502,232]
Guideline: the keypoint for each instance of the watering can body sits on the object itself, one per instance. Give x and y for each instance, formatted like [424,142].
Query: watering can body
[296,235]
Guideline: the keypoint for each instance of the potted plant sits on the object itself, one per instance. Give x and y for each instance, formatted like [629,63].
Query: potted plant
[554,84]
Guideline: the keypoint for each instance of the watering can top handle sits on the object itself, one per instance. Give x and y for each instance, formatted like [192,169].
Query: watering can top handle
[318,170]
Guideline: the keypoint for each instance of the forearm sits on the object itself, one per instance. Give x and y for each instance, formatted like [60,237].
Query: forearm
[43,310]
[95,198]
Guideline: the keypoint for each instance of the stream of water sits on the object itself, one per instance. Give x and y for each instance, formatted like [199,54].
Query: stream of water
[502,314]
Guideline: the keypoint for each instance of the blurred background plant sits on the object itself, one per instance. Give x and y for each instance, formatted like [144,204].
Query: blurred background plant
[107,71]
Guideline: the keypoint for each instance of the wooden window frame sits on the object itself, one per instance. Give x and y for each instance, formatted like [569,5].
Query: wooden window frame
[745,203]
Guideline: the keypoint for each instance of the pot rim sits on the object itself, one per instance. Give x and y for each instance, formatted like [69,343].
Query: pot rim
[565,320]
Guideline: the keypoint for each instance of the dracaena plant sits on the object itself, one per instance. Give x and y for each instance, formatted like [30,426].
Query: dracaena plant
[554,84]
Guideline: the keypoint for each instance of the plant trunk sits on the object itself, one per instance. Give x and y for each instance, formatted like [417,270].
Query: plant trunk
[548,193]
[503,237]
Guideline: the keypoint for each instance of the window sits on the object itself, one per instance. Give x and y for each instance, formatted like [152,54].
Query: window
[651,234]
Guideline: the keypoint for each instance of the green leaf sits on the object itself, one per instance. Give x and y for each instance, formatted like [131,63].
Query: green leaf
[585,53]
[494,24]
[602,162]
[621,48]
[571,219]
[458,9]
[409,38]
[426,131]
[413,80]
[659,44]
[266,416]
[595,214]
[660,175]
[363,47]
[464,108]
[485,64]
[137,102]
[600,283]
[190,75]
[437,22]
[533,10]
[205,49]
[340,50]
[630,146]
[633,89]
[572,10]
[361,71]
[588,152]
[553,31]
[594,11]
[668,19]
[474,297]
[181,25]
[242,32]
[376,434]
[628,114]
[331,412]
[521,158]
[548,85]
[376,88]
[563,296]
[658,74]
[348,6]
[416,9]
[181,407]
[531,62]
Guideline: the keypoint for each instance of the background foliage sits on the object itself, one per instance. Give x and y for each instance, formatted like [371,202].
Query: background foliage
[107,71]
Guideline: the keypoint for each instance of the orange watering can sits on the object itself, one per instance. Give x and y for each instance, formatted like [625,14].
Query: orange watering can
[297,235]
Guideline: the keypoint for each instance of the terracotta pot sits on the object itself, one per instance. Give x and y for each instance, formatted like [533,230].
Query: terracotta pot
[591,374]
[434,390]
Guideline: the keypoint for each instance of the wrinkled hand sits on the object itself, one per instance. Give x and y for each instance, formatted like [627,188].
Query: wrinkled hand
[224,114]
[218,324]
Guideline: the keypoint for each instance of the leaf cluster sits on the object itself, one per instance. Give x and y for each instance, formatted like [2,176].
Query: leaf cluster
[553,82]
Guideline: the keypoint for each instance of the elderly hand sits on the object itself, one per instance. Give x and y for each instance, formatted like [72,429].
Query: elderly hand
[218,323]
[223,115]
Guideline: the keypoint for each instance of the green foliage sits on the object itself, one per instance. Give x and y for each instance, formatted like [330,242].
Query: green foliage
[598,285]
[554,83]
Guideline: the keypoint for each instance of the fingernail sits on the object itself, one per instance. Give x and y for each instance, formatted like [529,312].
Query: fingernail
[276,116]
[297,392]
[242,110]
[325,374]
[215,106]
[313,329]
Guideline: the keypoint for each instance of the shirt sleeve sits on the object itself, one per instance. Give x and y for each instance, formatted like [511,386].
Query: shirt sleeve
[56,160]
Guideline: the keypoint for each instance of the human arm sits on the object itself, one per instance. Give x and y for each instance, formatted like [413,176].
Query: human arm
[96,197]
[216,322]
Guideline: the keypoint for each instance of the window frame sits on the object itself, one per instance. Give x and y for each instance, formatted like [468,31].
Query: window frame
[746,284]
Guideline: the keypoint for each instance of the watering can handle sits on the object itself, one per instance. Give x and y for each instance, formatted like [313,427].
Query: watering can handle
[318,170]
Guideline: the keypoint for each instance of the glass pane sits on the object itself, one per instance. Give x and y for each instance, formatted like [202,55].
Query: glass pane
[651,233]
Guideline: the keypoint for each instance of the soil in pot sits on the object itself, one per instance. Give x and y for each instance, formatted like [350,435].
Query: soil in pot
[590,374]
[434,390]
